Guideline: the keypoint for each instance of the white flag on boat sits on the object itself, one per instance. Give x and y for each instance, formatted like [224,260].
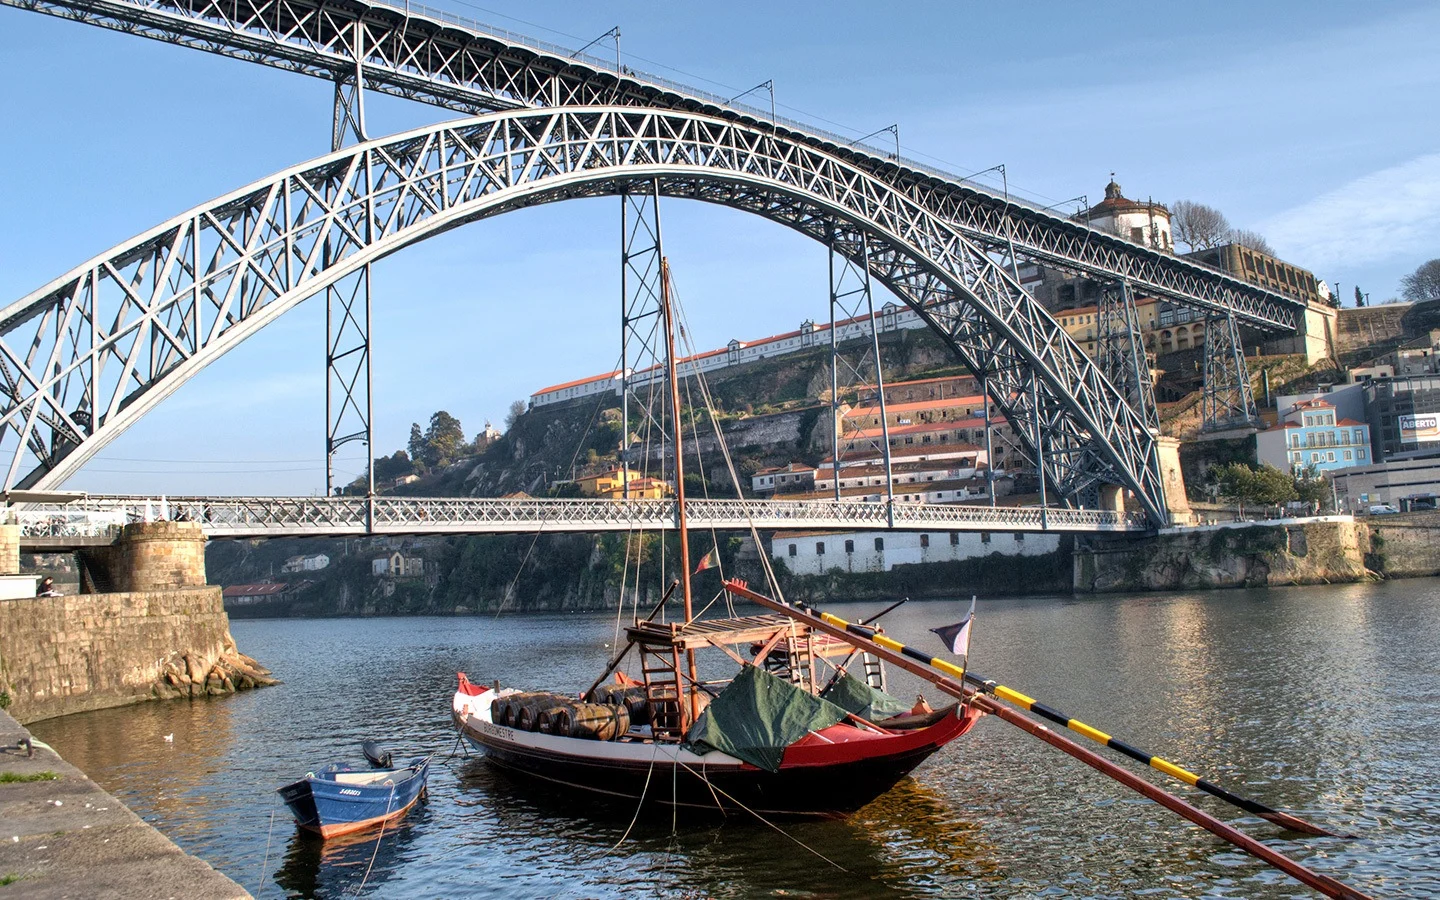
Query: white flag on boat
[957,636]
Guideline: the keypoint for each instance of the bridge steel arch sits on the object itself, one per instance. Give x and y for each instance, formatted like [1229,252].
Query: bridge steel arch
[405,49]
[85,356]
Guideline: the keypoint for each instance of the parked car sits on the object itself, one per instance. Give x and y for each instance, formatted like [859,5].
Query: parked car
[1383,509]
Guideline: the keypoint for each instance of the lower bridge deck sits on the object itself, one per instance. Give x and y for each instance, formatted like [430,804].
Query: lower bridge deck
[53,526]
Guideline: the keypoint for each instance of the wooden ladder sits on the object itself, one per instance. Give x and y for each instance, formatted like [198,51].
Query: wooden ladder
[874,671]
[802,660]
[660,664]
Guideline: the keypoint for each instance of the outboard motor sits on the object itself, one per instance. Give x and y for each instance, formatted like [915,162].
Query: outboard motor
[379,757]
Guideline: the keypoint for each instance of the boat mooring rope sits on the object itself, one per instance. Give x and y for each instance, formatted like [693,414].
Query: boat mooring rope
[643,791]
[771,824]
[265,863]
[378,838]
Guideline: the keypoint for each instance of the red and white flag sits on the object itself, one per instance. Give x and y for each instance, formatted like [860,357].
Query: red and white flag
[709,561]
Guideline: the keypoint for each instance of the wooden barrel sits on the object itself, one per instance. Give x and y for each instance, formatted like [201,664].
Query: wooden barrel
[555,720]
[500,710]
[598,721]
[527,707]
[631,697]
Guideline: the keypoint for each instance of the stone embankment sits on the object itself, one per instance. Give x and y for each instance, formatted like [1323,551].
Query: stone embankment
[61,655]
[1327,550]
[163,634]
[61,836]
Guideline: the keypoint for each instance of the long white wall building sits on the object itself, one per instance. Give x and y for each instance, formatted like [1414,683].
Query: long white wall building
[818,552]
[891,317]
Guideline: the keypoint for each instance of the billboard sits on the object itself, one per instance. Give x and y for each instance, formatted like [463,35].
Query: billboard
[1420,429]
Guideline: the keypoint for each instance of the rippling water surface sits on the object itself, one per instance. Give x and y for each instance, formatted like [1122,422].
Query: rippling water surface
[1323,701]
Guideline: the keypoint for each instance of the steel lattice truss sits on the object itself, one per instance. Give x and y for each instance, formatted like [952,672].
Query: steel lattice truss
[431,57]
[85,356]
[1121,350]
[247,517]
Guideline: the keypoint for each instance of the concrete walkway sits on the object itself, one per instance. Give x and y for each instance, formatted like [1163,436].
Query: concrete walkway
[67,838]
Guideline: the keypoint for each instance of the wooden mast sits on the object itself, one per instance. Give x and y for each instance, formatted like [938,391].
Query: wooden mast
[687,687]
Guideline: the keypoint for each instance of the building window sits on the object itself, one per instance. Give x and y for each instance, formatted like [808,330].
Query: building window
[819,548]
[954,538]
[924,541]
[879,545]
[984,537]
[1359,454]
[792,549]
[1019,535]
[849,546]
[1347,454]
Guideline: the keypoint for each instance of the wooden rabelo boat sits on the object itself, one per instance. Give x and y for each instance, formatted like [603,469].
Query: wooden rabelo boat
[779,737]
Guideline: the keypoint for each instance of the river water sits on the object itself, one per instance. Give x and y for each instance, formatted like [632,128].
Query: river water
[1323,701]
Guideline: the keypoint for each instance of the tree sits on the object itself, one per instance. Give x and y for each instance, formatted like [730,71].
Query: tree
[1265,486]
[416,445]
[1252,239]
[443,439]
[1313,487]
[388,468]
[1422,284]
[1198,226]
[517,409]
[1359,296]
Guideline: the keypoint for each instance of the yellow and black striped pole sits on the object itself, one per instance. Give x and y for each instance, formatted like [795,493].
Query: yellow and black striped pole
[910,661]
[1030,704]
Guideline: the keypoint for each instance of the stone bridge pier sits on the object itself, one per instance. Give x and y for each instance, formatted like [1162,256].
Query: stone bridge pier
[145,626]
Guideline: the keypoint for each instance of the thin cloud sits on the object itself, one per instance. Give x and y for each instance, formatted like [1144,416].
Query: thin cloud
[1387,215]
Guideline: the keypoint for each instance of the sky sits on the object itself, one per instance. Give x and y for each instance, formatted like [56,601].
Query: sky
[1311,123]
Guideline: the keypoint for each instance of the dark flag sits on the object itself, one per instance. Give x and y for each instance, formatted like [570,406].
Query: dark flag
[957,636]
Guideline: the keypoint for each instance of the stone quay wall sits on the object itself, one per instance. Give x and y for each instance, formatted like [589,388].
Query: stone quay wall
[60,655]
[1333,550]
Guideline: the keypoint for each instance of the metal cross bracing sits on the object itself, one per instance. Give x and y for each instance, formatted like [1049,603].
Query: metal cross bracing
[1121,350]
[349,407]
[245,517]
[1226,401]
[430,56]
[642,337]
[860,363]
[120,332]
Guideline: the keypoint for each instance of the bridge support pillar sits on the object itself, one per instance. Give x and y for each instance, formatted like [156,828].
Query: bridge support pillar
[9,549]
[151,556]
[1112,498]
[1172,481]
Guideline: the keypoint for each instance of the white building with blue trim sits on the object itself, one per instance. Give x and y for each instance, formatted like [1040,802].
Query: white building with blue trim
[1311,436]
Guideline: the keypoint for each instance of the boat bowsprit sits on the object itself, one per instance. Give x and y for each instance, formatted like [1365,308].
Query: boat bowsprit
[340,799]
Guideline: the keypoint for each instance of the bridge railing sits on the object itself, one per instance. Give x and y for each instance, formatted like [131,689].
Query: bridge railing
[280,516]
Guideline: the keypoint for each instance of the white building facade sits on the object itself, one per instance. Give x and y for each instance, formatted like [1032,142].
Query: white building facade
[815,553]
[891,317]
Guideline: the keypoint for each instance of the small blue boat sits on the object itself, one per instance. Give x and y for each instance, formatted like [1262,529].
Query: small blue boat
[340,799]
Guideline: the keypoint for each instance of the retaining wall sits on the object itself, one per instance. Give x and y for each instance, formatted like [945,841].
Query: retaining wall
[79,652]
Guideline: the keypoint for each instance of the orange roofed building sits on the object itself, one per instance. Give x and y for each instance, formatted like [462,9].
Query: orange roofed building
[612,485]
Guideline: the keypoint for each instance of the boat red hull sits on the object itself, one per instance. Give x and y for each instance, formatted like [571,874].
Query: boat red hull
[829,773]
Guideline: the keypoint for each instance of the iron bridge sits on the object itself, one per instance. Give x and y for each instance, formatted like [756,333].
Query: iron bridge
[86,355]
[98,519]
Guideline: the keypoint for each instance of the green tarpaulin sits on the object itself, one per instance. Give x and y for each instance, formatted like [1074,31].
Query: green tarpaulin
[757,717]
[853,695]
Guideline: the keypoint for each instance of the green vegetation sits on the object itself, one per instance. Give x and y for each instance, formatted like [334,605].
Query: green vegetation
[17,778]
[10,878]
[1265,486]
